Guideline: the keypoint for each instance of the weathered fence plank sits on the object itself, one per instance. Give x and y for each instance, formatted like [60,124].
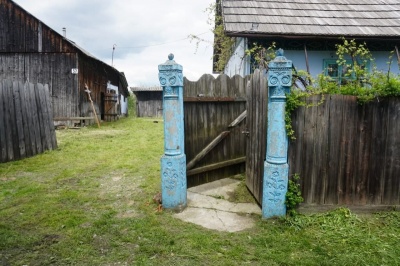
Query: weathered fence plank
[3,139]
[26,121]
[25,117]
[347,153]
[9,116]
[18,119]
[392,157]
[256,133]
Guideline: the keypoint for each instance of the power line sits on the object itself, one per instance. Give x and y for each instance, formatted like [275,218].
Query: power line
[159,44]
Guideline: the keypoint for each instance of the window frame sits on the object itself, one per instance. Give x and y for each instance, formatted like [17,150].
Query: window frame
[341,73]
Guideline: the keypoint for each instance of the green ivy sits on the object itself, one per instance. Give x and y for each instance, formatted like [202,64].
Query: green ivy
[365,85]
[293,195]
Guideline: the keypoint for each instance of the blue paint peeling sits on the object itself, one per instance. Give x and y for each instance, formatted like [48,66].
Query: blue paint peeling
[276,168]
[173,162]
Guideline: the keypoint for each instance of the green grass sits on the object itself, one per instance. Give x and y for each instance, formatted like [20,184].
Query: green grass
[90,203]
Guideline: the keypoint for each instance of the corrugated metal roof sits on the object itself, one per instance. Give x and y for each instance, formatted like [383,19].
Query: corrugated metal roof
[353,18]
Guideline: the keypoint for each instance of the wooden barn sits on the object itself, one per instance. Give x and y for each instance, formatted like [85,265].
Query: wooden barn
[31,51]
[149,102]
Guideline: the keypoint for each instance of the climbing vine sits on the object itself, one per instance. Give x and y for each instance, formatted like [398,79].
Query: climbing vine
[260,55]
[293,195]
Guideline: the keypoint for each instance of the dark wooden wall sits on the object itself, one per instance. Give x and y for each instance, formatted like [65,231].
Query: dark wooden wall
[26,120]
[210,107]
[22,32]
[30,50]
[347,153]
[149,103]
[95,74]
[53,69]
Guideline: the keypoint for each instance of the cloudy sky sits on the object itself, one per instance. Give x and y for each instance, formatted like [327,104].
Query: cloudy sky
[143,32]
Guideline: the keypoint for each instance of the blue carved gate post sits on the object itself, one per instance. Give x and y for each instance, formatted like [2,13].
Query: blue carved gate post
[276,168]
[173,162]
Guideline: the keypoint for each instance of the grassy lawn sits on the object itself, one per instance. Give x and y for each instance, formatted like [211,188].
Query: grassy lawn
[90,203]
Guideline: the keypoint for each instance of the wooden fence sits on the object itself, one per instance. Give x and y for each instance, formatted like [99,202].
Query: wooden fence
[347,153]
[213,115]
[26,120]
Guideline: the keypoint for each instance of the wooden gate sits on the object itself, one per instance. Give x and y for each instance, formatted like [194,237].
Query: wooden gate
[225,129]
[256,131]
[214,111]
[110,107]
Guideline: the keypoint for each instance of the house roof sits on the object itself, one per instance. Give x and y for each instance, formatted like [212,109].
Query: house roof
[307,18]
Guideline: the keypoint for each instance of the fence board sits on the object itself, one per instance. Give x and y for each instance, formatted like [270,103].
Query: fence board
[26,123]
[321,153]
[20,137]
[25,117]
[347,154]
[34,124]
[392,155]
[333,146]
[9,116]
[3,139]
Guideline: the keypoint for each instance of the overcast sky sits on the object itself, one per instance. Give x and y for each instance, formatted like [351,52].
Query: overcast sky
[144,33]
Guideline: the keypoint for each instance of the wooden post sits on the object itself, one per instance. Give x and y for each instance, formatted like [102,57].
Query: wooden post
[173,162]
[276,168]
[91,102]
[398,55]
[307,64]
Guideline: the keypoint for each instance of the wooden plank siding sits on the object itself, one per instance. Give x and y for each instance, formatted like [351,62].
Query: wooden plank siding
[346,153]
[149,103]
[21,32]
[50,68]
[26,120]
[205,120]
[31,51]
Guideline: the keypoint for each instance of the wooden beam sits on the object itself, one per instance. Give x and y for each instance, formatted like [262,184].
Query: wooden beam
[215,166]
[306,55]
[239,119]
[207,149]
[213,99]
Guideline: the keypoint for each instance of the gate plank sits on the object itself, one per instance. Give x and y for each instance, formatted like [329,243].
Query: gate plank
[215,166]
[207,149]
[256,124]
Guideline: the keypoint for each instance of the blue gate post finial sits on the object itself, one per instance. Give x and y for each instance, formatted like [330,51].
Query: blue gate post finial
[173,162]
[276,168]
